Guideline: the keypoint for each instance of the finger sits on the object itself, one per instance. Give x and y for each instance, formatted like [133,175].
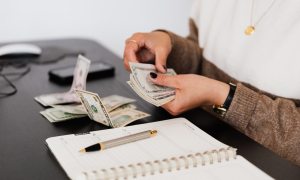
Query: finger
[131,48]
[130,54]
[165,80]
[160,60]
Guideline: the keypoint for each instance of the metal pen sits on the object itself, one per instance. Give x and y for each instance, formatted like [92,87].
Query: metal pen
[120,141]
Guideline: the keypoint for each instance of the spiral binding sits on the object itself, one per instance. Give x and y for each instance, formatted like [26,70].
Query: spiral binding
[161,166]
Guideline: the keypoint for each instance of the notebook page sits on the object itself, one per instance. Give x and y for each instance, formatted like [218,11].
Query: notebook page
[175,137]
[235,169]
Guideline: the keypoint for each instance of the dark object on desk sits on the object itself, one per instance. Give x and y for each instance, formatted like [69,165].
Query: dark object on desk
[64,75]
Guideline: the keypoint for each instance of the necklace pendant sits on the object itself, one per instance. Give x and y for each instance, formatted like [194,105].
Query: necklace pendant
[249,30]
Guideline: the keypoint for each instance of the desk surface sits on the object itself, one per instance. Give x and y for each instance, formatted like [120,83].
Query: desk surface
[24,155]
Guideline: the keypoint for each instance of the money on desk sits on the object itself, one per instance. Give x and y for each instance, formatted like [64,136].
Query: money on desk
[120,110]
[113,111]
[142,85]
[79,82]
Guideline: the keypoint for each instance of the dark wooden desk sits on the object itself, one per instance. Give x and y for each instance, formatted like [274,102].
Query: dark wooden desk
[23,154]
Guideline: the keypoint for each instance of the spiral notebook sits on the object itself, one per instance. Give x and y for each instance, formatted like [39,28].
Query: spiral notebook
[179,151]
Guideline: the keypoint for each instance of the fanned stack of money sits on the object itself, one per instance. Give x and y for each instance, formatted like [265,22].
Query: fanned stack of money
[119,110]
[114,110]
[142,85]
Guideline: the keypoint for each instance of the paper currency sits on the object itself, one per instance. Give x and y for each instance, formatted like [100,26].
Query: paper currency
[94,107]
[142,85]
[56,115]
[113,111]
[79,82]
[114,101]
[111,103]
[68,112]
[71,108]
[125,107]
[118,117]
[122,118]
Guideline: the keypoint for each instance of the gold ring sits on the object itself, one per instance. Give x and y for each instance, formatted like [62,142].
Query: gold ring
[134,41]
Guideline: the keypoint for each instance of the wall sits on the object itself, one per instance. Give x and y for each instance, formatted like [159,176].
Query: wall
[108,21]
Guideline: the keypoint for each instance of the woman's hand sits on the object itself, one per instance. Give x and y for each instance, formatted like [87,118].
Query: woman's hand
[191,91]
[144,47]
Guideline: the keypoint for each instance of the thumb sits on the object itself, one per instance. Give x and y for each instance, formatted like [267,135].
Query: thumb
[160,61]
[164,80]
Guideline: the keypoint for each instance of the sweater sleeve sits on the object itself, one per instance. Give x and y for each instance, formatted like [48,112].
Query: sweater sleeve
[186,55]
[273,122]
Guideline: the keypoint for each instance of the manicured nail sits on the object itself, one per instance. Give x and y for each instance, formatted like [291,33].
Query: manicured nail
[153,75]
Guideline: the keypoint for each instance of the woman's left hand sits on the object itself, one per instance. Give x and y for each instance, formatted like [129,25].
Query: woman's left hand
[191,91]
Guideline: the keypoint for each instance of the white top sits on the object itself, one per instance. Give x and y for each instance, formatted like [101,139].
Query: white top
[269,59]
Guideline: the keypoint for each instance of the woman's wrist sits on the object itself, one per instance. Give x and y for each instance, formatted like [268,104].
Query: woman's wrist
[223,98]
[220,92]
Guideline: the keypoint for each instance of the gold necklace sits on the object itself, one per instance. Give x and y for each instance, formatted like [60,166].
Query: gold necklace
[250,29]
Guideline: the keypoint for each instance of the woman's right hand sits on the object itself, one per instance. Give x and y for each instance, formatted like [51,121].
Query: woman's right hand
[144,47]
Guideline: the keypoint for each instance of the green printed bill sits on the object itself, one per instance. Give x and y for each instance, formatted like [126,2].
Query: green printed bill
[94,107]
[139,81]
[120,110]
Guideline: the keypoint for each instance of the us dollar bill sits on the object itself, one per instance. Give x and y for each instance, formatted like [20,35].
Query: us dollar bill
[123,114]
[123,118]
[79,82]
[140,73]
[114,101]
[55,115]
[94,107]
[140,82]
[60,113]
[111,103]
[71,108]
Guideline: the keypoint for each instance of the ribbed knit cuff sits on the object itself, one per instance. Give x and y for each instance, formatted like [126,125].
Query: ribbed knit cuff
[242,107]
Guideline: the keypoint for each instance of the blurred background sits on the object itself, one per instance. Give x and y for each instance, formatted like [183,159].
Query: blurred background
[109,22]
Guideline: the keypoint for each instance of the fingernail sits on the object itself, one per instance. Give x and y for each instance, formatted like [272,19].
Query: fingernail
[165,67]
[153,75]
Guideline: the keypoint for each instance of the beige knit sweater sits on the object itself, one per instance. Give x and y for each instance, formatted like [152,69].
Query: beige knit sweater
[270,120]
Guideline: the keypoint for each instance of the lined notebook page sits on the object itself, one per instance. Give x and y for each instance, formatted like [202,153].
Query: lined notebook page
[174,138]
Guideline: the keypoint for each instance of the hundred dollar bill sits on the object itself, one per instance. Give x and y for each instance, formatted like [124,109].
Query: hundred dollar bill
[142,85]
[122,104]
[94,107]
[71,108]
[56,115]
[124,107]
[140,73]
[122,118]
[114,101]
[79,82]
[118,117]
[67,112]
